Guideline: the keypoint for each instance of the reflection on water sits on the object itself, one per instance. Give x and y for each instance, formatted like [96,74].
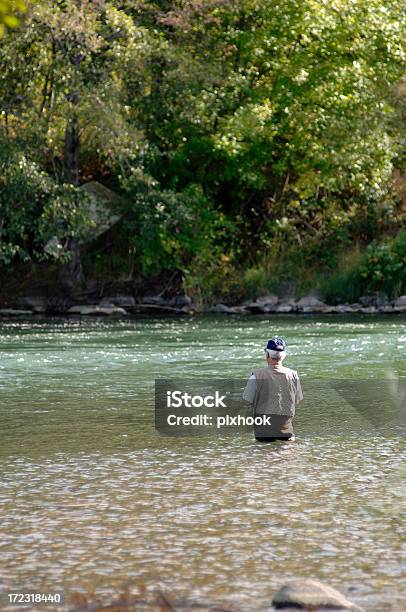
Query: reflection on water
[92,498]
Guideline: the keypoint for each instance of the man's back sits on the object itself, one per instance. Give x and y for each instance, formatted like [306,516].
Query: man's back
[278,390]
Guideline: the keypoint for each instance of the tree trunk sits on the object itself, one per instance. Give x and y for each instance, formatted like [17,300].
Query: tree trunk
[71,151]
[72,272]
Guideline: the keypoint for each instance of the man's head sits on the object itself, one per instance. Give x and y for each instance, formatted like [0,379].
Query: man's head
[275,350]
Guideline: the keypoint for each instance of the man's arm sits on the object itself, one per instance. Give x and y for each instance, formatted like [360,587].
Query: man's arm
[299,392]
[250,388]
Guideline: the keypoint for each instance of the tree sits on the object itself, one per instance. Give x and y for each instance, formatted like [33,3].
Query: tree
[235,128]
[10,11]
[283,110]
[63,89]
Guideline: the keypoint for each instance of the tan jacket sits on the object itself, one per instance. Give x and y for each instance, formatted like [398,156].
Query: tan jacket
[278,392]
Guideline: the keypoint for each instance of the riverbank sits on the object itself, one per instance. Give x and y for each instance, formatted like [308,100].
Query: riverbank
[183,305]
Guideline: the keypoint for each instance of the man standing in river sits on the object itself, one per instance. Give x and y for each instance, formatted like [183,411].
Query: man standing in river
[274,391]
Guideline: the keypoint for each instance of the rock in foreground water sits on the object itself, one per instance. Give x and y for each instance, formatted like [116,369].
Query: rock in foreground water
[305,593]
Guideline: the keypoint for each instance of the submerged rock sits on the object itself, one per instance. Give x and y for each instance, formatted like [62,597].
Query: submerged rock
[305,593]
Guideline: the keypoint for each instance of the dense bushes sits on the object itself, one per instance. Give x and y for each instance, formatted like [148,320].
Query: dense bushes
[381,268]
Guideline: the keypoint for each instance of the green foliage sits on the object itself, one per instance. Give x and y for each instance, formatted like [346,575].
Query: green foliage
[214,279]
[171,229]
[384,267]
[10,11]
[381,268]
[256,282]
[243,134]
[38,215]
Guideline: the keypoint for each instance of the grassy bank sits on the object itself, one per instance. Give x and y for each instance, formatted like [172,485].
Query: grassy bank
[378,267]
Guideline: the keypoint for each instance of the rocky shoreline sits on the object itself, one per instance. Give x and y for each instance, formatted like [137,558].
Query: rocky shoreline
[124,305]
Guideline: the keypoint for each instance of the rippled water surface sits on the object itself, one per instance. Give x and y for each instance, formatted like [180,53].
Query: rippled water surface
[92,498]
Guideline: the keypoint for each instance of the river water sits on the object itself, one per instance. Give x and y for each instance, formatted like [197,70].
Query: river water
[92,498]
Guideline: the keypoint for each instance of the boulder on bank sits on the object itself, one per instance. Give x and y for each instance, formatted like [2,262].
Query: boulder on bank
[376,300]
[369,309]
[286,307]
[308,300]
[356,307]
[305,593]
[387,309]
[100,209]
[318,308]
[161,308]
[45,304]
[180,301]
[14,312]
[342,309]
[267,300]
[37,303]
[240,310]
[221,309]
[228,310]
[124,301]
[311,303]
[88,310]
[263,304]
[155,300]
[255,308]
[400,304]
